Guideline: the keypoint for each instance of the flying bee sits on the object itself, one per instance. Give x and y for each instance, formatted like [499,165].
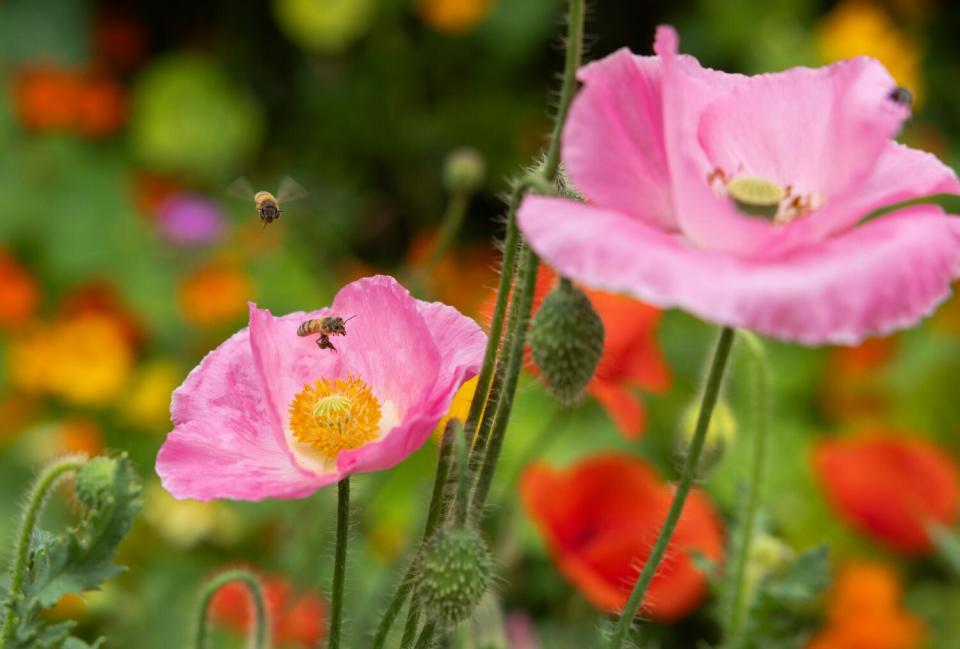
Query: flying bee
[326,326]
[267,204]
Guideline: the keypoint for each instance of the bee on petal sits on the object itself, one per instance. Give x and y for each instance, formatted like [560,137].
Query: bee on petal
[268,204]
[326,326]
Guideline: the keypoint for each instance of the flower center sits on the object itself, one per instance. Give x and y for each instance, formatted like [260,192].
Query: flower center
[757,196]
[333,416]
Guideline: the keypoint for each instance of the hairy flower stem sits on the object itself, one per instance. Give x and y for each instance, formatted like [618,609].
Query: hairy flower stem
[426,636]
[514,345]
[258,635]
[486,387]
[340,562]
[434,518]
[497,407]
[710,393]
[36,499]
[761,390]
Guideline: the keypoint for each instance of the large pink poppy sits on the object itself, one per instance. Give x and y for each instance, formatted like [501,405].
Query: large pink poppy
[269,414]
[742,199]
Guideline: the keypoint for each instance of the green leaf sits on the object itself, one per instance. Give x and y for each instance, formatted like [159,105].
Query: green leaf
[82,557]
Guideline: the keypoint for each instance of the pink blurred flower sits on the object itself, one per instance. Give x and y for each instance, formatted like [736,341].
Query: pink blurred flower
[268,414]
[188,219]
[675,160]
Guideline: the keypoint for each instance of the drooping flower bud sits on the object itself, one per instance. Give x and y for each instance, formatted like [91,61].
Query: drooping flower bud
[720,434]
[94,481]
[463,170]
[567,342]
[454,574]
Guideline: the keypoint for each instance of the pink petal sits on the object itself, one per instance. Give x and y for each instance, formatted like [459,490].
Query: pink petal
[226,443]
[613,146]
[460,344]
[900,174]
[388,342]
[707,219]
[820,130]
[884,275]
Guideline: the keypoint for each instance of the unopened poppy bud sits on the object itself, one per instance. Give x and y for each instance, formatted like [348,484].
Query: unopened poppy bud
[95,480]
[720,434]
[567,342]
[463,170]
[454,574]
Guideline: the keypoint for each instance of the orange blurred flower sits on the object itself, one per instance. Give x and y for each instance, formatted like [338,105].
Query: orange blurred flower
[853,385]
[453,16]
[856,27]
[463,276]
[151,189]
[80,435]
[889,486]
[864,612]
[631,355]
[19,292]
[215,294]
[84,359]
[599,519]
[295,618]
[48,98]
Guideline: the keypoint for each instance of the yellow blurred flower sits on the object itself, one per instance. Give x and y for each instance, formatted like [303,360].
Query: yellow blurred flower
[453,16]
[459,407]
[185,523]
[84,359]
[858,27]
[863,610]
[324,25]
[147,403]
[215,294]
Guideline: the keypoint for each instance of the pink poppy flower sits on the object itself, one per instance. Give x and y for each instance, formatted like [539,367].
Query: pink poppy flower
[268,414]
[741,199]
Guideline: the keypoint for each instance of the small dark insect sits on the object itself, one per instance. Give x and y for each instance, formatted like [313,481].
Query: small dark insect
[901,96]
[326,326]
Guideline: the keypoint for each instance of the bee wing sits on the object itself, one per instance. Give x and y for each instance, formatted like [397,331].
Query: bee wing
[290,190]
[241,188]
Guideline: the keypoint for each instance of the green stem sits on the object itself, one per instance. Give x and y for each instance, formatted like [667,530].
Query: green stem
[452,222]
[761,390]
[485,385]
[514,346]
[462,500]
[413,623]
[568,87]
[434,518]
[498,406]
[258,635]
[37,498]
[340,562]
[710,394]
[426,636]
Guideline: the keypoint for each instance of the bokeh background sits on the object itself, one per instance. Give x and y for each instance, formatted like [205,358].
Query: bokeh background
[123,261]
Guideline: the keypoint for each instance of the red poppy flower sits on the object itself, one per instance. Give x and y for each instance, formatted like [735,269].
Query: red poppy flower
[889,486]
[295,619]
[631,355]
[600,518]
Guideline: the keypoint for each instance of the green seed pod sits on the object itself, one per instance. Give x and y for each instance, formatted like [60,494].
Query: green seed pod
[454,574]
[94,482]
[463,170]
[567,342]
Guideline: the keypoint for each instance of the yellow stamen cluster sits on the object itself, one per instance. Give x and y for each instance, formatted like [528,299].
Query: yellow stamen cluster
[333,416]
